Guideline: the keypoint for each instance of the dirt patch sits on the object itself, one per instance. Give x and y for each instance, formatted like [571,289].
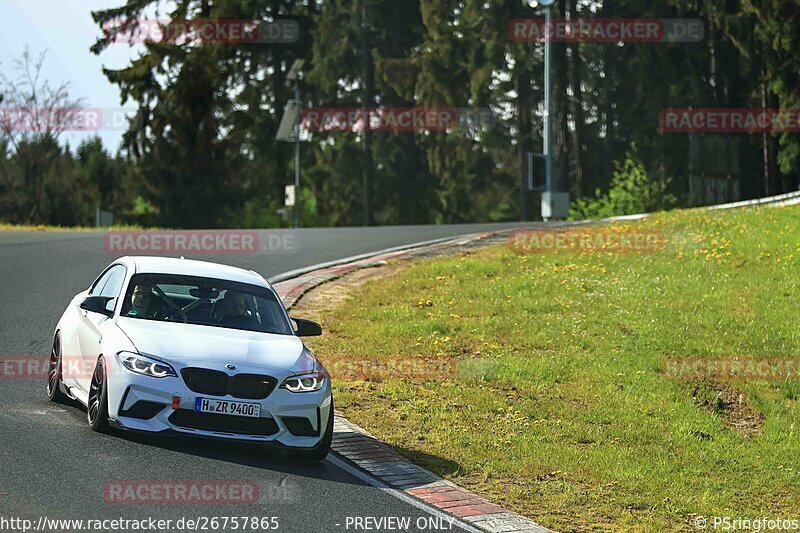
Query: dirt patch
[741,308]
[731,405]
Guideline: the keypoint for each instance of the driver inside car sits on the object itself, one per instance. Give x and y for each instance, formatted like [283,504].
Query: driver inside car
[236,314]
[144,303]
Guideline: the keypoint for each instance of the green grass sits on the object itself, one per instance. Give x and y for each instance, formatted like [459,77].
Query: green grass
[559,410]
[43,227]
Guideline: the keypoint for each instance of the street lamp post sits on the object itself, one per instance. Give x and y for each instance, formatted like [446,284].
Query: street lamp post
[297,160]
[547,134]
[554,204]
[548,125]
[294,75]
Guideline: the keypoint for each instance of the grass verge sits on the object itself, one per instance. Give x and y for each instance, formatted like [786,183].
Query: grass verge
[43,227]
[559,409]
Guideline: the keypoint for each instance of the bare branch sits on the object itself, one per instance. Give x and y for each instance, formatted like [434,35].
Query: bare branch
[30,108]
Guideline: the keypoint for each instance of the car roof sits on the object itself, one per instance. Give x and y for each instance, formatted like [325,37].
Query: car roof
[191,267]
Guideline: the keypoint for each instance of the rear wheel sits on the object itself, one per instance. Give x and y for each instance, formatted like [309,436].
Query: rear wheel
[320,451]
[97,407]
[54,373]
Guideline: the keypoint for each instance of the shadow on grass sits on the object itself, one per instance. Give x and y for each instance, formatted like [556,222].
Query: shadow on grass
[438,465]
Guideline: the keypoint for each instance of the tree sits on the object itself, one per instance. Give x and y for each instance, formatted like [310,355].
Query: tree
[766,34]
[632,192]
[33,116]
[102,173]
[204,140]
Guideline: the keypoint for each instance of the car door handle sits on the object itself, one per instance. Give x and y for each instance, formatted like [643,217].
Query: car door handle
[84,313]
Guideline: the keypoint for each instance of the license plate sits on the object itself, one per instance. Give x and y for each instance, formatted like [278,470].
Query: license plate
[225,407]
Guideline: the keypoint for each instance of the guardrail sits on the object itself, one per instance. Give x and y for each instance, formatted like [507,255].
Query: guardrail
[790,198]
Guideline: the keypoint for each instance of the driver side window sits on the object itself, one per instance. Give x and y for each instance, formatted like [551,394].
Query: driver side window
[101,282]
[113,285]
[110,284]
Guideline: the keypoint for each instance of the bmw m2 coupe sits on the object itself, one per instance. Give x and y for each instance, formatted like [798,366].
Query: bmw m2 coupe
[166,345]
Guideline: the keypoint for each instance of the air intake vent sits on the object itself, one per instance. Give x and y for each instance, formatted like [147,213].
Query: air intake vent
[240,425]
[216,383]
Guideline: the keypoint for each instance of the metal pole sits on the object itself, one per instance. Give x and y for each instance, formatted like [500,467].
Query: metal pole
[548,155]
[297,157]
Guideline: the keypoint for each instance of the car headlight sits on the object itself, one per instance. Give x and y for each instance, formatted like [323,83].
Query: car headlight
[305,383]
[146,366]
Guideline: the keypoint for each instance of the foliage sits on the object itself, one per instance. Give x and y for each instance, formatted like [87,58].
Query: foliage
[632,192]
[202,150]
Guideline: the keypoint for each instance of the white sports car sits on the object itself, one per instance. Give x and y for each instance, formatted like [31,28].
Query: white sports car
[176,346]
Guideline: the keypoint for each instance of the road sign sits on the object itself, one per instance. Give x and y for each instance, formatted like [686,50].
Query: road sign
[535,172]
[289,196]
[287,130]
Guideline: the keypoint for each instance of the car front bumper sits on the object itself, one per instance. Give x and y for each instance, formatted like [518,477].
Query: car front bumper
[287,419]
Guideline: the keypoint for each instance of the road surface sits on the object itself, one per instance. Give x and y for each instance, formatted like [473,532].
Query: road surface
[53,466]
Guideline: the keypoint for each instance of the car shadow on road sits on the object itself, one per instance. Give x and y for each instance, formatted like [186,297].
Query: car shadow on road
[254,455]
[257,455]
[248,454]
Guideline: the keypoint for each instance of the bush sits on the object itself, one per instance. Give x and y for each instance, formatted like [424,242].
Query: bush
[632,191]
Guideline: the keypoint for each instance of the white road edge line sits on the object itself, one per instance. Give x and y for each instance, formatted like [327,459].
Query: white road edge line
[397,493]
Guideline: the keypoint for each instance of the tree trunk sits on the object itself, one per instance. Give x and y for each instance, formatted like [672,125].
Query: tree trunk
[576,112]
[768,148]
[609,62]
[559,96]
[522,77]
[366,103]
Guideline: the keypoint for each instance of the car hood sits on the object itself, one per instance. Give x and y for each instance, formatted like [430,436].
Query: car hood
[191,344]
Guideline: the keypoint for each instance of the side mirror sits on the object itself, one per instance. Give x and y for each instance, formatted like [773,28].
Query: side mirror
[307,328]
[97,304]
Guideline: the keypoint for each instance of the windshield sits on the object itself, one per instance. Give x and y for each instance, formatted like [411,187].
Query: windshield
[204,301]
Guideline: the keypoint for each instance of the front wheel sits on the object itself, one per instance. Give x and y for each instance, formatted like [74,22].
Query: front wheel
[54,393]
[97,408]
[320,451]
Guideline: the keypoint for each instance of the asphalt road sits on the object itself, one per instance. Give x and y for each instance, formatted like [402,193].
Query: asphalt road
[52,465]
